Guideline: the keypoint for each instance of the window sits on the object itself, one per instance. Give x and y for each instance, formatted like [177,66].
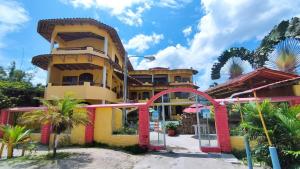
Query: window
[69,80]
[85,77]
[177,78]
[133,96]
[146,95]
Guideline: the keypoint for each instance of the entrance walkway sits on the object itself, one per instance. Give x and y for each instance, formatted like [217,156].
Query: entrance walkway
[183,144]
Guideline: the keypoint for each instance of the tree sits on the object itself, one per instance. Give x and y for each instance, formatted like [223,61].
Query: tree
[13,136]
[282,127]
[258,58]
[62,114]
[286,56]
[285,29]
[242,53]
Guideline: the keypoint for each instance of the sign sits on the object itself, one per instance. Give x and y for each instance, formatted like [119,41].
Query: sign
[205,113]
[155,115]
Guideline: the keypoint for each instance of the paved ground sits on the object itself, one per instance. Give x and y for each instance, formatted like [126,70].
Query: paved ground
[89,158]
[182,152]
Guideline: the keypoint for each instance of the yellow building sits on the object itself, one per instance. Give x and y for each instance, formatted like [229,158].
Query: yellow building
[86,59]
[158,79]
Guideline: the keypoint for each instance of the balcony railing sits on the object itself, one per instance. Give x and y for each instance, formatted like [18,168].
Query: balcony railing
[85,91]
[79,50]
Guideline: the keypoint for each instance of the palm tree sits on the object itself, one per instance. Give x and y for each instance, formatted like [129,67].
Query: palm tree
[62,114]
[286,56]
[13,136]
[235,68]
[288,117]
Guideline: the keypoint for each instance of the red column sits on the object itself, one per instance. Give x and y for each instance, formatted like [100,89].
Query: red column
[294,102]
[45,133]
[144,126]
[89,129]
[3,119]
[221,120]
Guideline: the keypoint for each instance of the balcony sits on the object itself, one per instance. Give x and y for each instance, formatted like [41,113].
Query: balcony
[181,83]
[79,50]
[85,91]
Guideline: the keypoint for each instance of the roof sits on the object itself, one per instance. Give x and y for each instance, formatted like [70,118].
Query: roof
[166,69]
[287,82]
[46,27]
[262,73]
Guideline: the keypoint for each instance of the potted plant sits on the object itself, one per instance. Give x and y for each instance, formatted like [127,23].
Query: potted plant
[171,128]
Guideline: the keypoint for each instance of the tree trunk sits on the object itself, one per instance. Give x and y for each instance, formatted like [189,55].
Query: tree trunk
[1,149]
[10,150]
[55,143]
[23,151]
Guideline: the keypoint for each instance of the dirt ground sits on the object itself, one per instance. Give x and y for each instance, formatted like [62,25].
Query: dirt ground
[90,158]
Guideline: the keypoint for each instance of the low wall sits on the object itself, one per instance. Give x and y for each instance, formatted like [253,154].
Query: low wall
[103,128]
[36,137]
[237,143]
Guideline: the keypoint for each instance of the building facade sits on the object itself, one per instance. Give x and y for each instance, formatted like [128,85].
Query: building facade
[86,60]
[157,79]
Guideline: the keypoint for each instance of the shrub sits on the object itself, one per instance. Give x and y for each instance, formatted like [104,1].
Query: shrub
[125,131]
[171,126]
[283,128]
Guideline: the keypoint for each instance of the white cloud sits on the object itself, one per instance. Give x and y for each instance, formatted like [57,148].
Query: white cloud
[142,42]
[12,17]
[173,3]
[187,31]
[217,30]
[129,12]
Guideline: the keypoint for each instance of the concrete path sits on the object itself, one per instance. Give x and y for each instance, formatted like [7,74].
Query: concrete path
[98,158]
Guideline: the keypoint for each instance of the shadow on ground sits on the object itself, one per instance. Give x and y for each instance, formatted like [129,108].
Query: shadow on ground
[65,161]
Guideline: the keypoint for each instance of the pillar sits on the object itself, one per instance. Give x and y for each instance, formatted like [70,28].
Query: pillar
[222,128]
[144,140]
[104,76]
[45,133]
[3,119]
[105,46]
[89,129]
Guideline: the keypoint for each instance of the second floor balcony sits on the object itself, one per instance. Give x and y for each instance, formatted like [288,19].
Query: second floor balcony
[85,91]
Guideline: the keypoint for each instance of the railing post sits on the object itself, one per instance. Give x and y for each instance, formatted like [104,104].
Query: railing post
[45,133]
[89,129]
[3,119]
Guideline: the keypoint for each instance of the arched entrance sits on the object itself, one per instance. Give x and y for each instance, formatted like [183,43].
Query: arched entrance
[221,120]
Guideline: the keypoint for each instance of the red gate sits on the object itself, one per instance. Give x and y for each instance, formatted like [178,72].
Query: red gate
[221,121]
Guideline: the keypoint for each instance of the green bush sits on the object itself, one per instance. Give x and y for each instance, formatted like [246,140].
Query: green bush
[125,131]
[171,126]
[283,128]
[132,149]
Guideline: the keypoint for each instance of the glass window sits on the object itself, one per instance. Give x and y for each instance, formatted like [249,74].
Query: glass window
[70,80]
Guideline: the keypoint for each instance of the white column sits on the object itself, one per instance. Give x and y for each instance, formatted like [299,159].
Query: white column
[104,76]
[51,44]
[48,73]
[105,46]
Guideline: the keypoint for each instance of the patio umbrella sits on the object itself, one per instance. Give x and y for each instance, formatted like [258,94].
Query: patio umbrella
[193,108]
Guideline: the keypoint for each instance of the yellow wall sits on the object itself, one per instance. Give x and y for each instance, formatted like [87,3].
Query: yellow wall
[117,119]
[237,143]
[57,75]
[35,137]
[296,89]
[103,130]
[92,42]
[84,92]
[78,135]
[112,49]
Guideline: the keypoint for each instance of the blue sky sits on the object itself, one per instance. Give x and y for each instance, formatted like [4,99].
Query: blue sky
[180,33]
